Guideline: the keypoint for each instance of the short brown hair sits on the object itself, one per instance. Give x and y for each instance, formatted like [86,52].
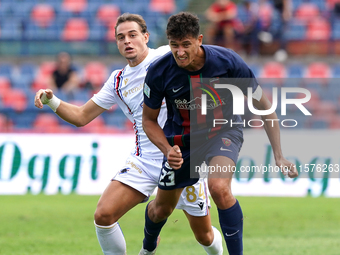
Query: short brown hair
[132,17]
[182,25]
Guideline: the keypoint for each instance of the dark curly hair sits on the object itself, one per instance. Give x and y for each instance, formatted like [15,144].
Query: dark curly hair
[132,17]
[182,25]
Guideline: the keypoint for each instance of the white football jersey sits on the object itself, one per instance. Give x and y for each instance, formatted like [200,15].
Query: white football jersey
[125,88]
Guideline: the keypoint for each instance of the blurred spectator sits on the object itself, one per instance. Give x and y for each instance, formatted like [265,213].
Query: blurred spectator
[250,27]
[222,17]
[64,77]
[284,8]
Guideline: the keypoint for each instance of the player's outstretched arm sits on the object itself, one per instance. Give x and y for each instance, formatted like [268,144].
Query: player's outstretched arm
[76,115]
[156,135]
[272,129]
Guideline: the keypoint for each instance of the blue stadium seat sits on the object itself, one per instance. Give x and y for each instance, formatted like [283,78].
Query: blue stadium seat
[295,70]
[295,31]
[321,4]
[336,30]
[11,29]
[97,31]
[115,119]
[35,32]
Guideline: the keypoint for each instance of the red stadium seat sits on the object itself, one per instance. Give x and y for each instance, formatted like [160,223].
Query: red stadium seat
[307,12]
[318,29]
[95,126]
[5,124]
[163,6]
[108,13]
[5,85]
[74,5]
[325,108]
[76,29]
[46,123]
[42,14]
[111,32]
[95,73]
[45,71]
[273,70]
[15,99]
[318,70]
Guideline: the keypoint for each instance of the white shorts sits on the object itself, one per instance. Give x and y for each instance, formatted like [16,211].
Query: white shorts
[143,174]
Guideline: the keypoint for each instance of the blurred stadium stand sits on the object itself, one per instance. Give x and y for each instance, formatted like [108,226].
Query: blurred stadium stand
[32,32]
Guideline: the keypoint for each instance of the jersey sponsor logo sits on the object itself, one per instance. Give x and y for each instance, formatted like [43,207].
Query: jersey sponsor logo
[201,204]
[147,90]
[196,104]
[133,90]
[176,90]
[133,165]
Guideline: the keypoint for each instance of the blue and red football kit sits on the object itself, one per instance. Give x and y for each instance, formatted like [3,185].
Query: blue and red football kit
[186,126]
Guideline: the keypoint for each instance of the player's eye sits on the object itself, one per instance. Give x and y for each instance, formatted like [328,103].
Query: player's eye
[120,38]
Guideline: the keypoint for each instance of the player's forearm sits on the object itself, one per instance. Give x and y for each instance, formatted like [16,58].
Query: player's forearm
[156,135]
[71,114]
[272,129]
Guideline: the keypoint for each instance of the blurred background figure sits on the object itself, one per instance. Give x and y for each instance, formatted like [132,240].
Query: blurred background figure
[222,22]
[64,77]
[249,27]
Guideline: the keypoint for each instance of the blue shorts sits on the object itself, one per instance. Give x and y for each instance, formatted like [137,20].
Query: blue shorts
[227,143]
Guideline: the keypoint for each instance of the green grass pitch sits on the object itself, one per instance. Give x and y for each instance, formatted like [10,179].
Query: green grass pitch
[63,225]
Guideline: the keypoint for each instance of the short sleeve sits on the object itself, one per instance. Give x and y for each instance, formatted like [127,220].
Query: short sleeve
[105,97]
[153,88]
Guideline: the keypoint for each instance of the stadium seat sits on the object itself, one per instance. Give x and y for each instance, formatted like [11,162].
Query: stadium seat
[95,73]
[11,29]
[307,12]
[76,29]
[5,124]
[318,70]
[295,70]
[41,79]
[111,32]
[15,99]
[318,29]
[43,14]
[296,30]
[6,70]
[43,33]
[46,123]
[325,108]
[74,5]
[273,70]
[5,85]
[163,6]
[95,126]
[108,13]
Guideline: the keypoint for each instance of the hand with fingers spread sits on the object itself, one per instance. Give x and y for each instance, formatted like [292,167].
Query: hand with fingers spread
[174,157]
[287,167]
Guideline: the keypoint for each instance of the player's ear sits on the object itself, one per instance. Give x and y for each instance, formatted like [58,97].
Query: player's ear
[200,39]
[146,36]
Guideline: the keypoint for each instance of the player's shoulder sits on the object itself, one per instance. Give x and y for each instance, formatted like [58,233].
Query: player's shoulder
[161,63]
[220,52]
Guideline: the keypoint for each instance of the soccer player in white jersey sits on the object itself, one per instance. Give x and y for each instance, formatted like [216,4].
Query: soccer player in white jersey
[139,176]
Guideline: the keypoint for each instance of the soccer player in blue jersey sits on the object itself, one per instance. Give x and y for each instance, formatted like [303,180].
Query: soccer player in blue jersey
[188,137]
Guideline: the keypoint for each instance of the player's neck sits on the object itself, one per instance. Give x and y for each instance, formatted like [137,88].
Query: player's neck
[139,58]
[198,62]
